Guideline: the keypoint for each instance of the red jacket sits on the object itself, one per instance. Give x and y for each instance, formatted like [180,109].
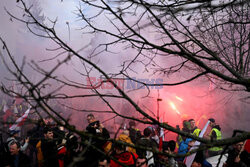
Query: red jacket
[127,158]
[61,154]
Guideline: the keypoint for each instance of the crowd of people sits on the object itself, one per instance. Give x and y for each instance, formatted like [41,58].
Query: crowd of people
[48,144]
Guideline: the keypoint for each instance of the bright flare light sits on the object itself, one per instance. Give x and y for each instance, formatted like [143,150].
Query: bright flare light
[178,98]
[174,108]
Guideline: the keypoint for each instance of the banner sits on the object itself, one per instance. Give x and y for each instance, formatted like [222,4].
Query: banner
[19,122]
[189,159]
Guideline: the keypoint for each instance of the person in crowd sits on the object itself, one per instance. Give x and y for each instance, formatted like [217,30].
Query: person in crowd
[95,127]
[196,164]
[60,139]
[183,146]
[72,146]
[170,149]
[16,157]
[186,128]
[3,151]
[167,147]
[182,140]
[192,125]
[47,150]
[237,156]
[194,129]
[124,136]
[200,159]
[14,137]
[155,129]
[146,141]
[35,134]
[103,162]
[98,130]
[141,162]
[123,156]
[48,121]
[215,134]
[134,133]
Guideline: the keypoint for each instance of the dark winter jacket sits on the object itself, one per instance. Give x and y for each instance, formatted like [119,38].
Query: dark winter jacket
[49,150]
[134,134]
[232,154]
[20,160]
[146,143]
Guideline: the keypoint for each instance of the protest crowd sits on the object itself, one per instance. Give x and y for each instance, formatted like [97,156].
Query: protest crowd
[47,144]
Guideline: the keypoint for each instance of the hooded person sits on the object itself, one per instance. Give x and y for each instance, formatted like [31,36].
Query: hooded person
[183,147]
[123,156]
[124,136]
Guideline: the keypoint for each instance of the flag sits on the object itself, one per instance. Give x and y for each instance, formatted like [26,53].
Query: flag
[17,100]
[160,143]
[7,113]
[247,146]
[2,105]
[15,110]
[189,160]
[161,138]
[5,108]
[20,121]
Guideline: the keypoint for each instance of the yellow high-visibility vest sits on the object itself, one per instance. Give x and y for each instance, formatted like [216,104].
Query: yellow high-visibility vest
[218,137]
[196,132]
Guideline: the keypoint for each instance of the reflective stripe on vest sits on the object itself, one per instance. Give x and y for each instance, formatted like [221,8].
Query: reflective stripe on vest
[196,132]
[218,137]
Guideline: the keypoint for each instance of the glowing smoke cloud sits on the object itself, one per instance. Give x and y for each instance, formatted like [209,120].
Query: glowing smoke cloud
[192,100]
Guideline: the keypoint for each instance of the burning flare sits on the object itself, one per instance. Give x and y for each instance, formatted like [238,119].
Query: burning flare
[178,98]
[174,107]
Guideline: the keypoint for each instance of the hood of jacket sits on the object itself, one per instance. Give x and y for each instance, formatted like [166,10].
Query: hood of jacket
[126,158]
[125,138]
[217,127]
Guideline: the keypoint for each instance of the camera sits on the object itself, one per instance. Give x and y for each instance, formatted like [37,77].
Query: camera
[97,124]
[178,127]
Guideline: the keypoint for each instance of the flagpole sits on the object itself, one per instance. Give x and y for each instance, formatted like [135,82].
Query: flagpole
[158,106]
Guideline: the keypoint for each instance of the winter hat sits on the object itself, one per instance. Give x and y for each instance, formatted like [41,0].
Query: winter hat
[211,120]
